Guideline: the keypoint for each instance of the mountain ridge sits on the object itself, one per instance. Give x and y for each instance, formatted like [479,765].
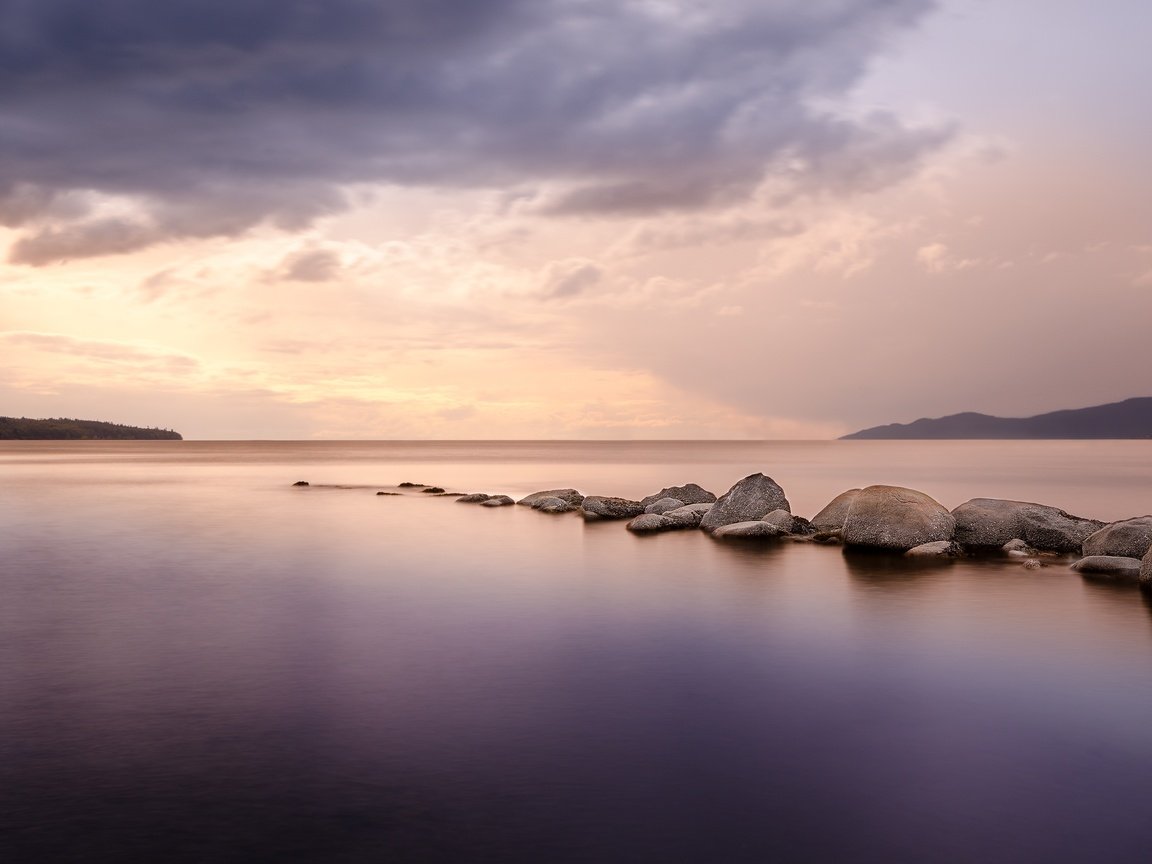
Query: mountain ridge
[1128,419]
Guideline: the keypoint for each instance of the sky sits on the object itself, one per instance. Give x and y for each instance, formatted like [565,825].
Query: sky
[489,219]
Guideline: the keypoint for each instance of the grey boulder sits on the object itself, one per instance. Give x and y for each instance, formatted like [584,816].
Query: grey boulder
[497,501]
[751,528]
[995,521]
[1115,568]
[571,496]
[649,523]
[893,517]
[688,516]
[749,500]
[831,518]
[1129,538]
[689,494]
[663,505]
[596,507]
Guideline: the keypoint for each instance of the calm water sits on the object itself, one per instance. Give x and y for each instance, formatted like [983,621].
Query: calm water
[199,663]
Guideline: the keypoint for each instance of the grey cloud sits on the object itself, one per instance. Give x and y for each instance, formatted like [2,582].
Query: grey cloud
[218,115]
[311,265]
[570,278]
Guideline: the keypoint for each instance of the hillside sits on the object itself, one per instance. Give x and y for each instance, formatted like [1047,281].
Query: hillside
[63,429]
[1131,418]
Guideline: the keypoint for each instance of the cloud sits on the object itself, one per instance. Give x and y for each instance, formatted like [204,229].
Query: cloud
[206,118]
[311,265]
[119,354]
[570,278]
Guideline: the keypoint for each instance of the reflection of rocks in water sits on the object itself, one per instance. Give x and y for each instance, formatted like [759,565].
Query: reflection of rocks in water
[880,566]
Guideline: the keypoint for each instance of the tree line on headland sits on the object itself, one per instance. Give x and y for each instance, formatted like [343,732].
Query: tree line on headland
[67,429]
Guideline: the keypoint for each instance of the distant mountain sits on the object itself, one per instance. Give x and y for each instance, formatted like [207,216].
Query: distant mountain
[1131,418]
[63,429]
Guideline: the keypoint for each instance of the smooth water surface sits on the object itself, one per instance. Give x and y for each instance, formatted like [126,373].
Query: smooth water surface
[200,663]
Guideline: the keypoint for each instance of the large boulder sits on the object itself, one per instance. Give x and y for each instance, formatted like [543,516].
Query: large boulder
[753,528]
[663,505]
[569,495]
[688,516]
[831,518]
[892,517]
[689,494]
[1129,538]
[749,500]
[1114,568]
[600,507]
[994,521]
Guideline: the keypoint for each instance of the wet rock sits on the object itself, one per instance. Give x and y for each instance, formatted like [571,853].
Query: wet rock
[554,505]
[688,516]
[407,485]
[831,518]
[992,522]
[751,528]
[301,483]
[570,496]
[433,490]
[1129,538]
[749,500]
[689,494]
[601,507]
[937,549]
[497,501]
[396,494]
[473,498]
[1114,568]
[663,505]
[893,517]
[649,523]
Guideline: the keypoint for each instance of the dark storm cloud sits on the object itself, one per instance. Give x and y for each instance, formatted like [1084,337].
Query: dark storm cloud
[216,116]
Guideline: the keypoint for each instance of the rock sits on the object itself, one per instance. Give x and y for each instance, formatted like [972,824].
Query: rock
[648,523]
[1017,545]
[301,483]
[397,494]
[554,505]
[892,517]
[688,516]
[407,485]
[752,528]
[663,505]
[788,523]
[570,496]
[831,537]
[1032,564]
[690,494]
[750,499]
[601,507]
[938,549]
[1129,538]
[497,501]
[994,521]
[473,498]
[1115,568]
[1146,570]
[831,518]
[432,490]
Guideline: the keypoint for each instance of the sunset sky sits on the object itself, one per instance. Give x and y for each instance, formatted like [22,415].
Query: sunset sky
[571,218]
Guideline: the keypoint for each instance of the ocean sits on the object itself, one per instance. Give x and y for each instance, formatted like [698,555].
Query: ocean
[200,662]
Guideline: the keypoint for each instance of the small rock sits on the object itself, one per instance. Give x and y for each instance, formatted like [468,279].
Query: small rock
[497,501]
[407,485]
[663,505]
[782,519]
[937,549]
[301,483]
[1116,568]
[748,500]
[1032,564]
[397,494]
[649,523]
[473,498]
[753,528]
[433,490]
[1016,545]
[554,505]
[601,507]
[689,494]
[831,518]
[688,516]
[571,496]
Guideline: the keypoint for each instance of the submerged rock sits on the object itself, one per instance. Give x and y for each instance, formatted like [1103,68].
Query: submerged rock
[407,485]
[663,505]
[688,494]
[601,507]
[648,523]
[473,498]
[497,501]
[749,500]
[750,528]
[893,517]
[831,518]
[433,490]
[937,549]
[301,483]
[396,494]
[1129,538]
[569,496]
[1114,568]
[994,521]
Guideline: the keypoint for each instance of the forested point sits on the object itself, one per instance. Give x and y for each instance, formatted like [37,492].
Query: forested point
[66,429]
